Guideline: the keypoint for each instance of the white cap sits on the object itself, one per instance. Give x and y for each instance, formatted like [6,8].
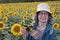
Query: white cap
[43,6]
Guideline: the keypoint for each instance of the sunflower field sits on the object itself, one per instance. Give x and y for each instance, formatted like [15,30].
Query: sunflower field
[14,15]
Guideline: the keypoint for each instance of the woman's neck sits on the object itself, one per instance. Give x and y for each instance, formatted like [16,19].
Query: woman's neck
[41,25]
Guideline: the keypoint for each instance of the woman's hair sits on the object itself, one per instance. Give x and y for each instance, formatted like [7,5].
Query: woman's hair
[50,19]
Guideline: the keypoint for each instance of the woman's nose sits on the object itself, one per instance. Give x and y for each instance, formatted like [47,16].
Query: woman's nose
[43,15]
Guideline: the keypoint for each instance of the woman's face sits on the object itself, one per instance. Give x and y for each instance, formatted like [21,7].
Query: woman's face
[43,16]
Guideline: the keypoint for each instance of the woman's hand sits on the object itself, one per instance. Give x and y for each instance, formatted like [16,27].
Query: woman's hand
[34,34]
[24,33]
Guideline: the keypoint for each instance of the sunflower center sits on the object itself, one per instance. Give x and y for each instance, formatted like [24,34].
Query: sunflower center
[55,26]
[4,18]
[31,15]
[24,17]
[1,25]
[17,29]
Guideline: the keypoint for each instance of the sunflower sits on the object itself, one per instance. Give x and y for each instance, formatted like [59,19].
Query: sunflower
[5,19]
[52,9]
[16,29]
[25,17]
[0,16]
[1,11]
[58,9]
[34,8]
[5,15]
[25,13]
[21,8]
[12,13]
[32,23]
[58,16]
[31,15]
[54,16]
[30,29]
[2,25]
[16,14]
[7,11]
[56,25]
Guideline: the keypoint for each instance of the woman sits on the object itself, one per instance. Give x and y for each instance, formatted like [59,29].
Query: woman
[42,30]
